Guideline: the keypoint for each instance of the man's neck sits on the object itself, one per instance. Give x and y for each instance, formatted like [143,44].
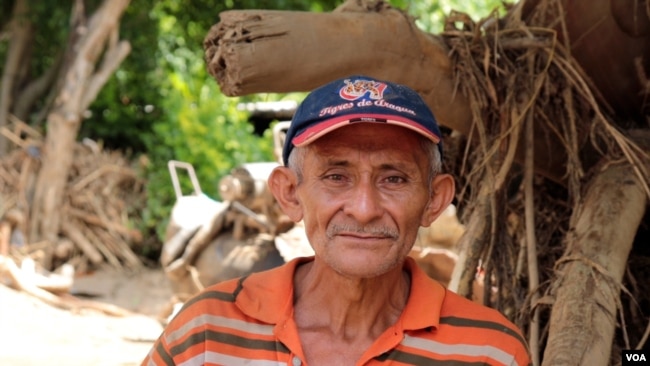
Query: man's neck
[348,308]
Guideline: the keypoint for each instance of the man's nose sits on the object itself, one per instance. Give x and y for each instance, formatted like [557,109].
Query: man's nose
[364,203]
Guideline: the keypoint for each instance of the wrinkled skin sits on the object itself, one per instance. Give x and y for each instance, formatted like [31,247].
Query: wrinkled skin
[363,196]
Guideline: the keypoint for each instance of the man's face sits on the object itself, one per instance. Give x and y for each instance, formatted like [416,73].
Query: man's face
[363,196]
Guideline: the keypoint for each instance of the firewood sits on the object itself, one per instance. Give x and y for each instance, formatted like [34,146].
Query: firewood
[72,232]
[119,249]
[102,244]
[134,235]
[101,188]
[102,170]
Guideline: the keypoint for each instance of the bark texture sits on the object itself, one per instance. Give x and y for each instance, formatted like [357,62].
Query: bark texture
[583,317]
[256,51]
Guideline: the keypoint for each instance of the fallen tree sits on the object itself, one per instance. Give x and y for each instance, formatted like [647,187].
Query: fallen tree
[531,131]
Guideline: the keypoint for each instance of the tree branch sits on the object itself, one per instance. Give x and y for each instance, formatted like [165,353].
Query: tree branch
[112,60]
[36,89]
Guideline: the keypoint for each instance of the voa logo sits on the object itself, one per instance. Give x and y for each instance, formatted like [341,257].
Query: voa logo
[634,357]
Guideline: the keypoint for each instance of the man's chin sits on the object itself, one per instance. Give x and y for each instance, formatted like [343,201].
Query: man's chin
[364,265]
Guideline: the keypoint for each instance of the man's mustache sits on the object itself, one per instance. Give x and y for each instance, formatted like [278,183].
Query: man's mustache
[374,230]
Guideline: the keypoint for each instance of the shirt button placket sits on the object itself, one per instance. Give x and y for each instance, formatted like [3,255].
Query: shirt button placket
[295,361]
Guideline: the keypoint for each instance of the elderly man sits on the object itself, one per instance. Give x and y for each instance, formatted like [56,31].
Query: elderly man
[362,171]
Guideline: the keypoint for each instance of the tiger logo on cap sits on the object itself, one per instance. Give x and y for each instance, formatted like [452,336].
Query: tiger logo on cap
[356,89]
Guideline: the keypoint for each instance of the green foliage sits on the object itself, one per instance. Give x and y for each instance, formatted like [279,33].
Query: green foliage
[430,15]
[199,125]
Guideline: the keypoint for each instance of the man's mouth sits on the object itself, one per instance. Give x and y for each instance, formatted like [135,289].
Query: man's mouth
[376,232]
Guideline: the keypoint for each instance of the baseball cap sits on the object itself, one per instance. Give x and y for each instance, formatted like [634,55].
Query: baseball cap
[359,99]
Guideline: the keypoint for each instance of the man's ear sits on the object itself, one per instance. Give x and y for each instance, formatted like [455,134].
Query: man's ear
[443,189]
[283,183]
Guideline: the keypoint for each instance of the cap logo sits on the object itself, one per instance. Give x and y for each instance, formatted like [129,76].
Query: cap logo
[359,88]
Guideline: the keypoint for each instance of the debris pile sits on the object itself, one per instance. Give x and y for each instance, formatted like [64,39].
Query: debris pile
[102,192]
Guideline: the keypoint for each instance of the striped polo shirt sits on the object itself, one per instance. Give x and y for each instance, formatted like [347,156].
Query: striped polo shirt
[249,321]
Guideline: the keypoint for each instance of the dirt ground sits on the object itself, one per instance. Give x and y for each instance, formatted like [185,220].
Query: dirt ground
[35,333]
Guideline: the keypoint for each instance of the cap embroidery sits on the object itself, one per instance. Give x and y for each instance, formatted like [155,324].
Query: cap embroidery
[359,88]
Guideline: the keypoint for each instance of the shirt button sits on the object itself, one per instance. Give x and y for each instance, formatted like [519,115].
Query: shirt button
[296,361]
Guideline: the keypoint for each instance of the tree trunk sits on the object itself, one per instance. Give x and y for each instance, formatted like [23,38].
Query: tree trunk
[583,317]
[82,82]
[281,51]
[472,245]
[21,30]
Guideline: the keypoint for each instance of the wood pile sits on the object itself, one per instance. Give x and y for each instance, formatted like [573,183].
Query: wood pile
[101,192]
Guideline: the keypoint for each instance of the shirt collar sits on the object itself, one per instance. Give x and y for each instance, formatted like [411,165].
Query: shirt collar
[268,296]
[423,307]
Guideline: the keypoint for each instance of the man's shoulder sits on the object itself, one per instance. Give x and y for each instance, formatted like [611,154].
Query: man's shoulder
[457,305]
[215,300]
[244,295]
[461,314]
[255,281]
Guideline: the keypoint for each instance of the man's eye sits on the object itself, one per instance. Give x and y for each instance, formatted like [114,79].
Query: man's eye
[395,179]
[334,177]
